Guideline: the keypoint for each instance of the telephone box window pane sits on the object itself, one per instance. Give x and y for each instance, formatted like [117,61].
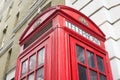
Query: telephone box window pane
[100,63]
[91,59]
[41,56]
[24,67]
[23,79]
[82,73]
[102,77]
[31,76]
[40,74]
[80,54]
[93,75]
[32,62]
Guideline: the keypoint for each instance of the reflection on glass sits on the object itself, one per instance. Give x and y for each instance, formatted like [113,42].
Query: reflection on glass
[24,67]
[93,75]
[91,59]
[40,74]
[80,54]
[32,62]
[100,63]
[102,77]
[31,76]
[41,56]
[82,73]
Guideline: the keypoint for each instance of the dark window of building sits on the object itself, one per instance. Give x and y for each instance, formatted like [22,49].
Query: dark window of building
[3,37]
[16,19]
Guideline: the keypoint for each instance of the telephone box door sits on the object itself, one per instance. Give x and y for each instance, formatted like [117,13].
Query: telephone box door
[33,63]
[87,63]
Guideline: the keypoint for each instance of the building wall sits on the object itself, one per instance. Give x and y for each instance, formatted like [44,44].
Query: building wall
[105,13]
[15,16]
[10,75]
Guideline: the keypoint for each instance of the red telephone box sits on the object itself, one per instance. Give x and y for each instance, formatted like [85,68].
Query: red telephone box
[62,44]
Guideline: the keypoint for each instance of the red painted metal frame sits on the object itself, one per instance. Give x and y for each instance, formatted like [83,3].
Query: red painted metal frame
[60,61]
[74,61]
[34,50]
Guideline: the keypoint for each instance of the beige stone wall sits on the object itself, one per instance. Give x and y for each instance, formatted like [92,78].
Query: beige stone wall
[105,13]
[3,65]
[58,2]
[8,60]
[15,15]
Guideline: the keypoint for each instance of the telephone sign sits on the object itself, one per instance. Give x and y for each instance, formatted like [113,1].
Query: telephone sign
[82,32]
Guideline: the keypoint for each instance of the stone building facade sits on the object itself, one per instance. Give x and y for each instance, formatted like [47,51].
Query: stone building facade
[15,16]
[105,13]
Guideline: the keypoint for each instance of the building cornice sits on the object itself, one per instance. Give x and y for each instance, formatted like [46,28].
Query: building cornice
[4,49]
[105,8]
[115,57]
[29,15]
[112,39]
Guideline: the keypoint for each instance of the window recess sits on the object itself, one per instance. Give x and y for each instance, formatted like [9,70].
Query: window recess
[38,34]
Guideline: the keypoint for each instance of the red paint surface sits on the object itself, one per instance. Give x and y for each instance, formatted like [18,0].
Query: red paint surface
[59,42]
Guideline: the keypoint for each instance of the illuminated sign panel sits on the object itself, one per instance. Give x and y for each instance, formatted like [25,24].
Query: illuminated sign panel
[82,32]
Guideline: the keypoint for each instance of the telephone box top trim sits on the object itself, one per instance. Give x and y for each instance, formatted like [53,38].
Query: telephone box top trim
[54,11]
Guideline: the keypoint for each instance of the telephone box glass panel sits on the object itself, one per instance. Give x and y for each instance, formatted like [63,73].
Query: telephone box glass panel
[80,54]
[24,67]
[90,56]
[30,69]
[40,75]
[31,76]
[100,63]
[89,67]
[32,62]
[82,73]
[93,75]
[102,77]
[41,56]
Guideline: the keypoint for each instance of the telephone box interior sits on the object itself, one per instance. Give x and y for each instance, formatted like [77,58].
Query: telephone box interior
[61,43]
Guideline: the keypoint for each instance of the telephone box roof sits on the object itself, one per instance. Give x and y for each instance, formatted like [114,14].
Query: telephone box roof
[59,9]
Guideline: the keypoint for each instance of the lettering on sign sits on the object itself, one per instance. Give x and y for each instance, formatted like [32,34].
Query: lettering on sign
[82,32]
